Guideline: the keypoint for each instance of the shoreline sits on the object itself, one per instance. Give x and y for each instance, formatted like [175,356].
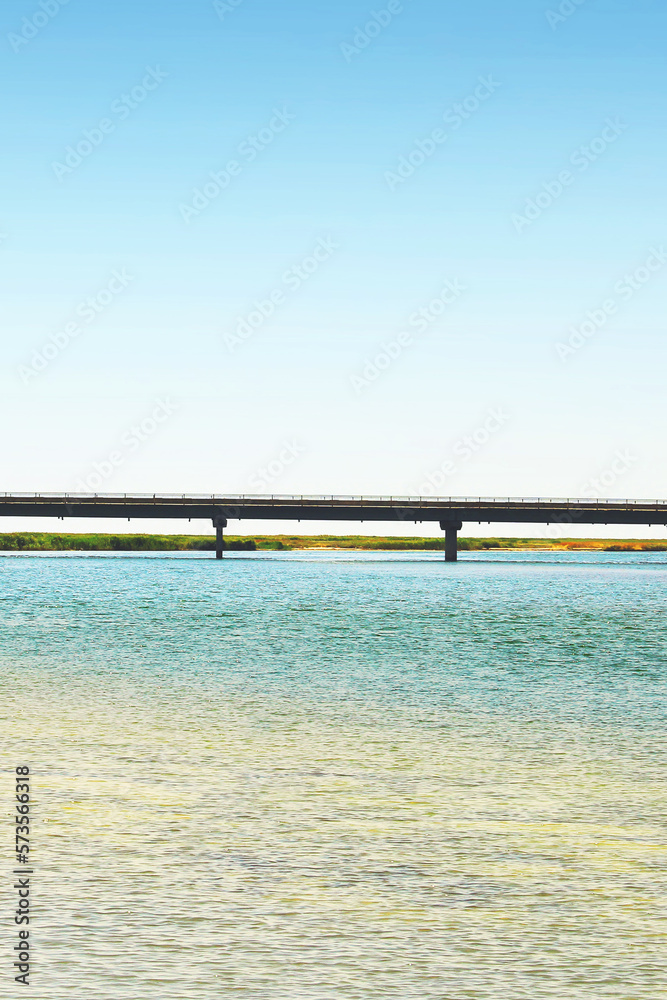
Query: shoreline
[28,541]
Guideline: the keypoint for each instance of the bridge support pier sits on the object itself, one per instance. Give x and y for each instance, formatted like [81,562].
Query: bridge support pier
[451,530]
[219,523]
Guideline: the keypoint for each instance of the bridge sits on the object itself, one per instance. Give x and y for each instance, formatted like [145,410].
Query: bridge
[449,512]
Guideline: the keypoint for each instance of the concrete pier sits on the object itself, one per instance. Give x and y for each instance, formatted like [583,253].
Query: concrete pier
[219,523]
[451,530]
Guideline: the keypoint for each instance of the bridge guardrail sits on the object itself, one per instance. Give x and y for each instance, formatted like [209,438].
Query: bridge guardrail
[329,499]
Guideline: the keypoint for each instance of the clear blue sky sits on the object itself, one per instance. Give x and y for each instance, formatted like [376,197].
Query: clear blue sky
[306,111]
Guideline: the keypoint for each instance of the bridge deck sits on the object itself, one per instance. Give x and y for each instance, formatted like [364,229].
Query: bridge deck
[536,510]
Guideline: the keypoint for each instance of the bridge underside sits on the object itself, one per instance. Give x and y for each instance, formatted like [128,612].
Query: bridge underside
[498,511]
[450,514]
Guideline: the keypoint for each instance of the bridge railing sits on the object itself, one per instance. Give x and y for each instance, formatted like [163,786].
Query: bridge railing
[217,498]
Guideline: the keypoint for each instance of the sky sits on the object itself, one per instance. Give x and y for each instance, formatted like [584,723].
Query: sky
[410,248]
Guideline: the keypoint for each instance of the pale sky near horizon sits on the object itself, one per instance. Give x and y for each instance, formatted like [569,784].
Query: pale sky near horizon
[433,260]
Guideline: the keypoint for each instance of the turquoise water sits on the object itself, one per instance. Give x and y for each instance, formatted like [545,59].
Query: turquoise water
[325,775]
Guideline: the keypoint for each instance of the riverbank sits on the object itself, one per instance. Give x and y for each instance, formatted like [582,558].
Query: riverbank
[29,541]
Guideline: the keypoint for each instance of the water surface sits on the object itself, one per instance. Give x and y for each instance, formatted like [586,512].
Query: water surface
[342,775]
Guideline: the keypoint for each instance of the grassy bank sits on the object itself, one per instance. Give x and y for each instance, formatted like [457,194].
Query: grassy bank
[33,541]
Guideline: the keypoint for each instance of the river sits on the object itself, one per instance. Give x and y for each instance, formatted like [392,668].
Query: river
[341,775]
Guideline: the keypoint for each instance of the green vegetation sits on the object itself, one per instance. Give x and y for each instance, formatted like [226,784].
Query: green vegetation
[30,541]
